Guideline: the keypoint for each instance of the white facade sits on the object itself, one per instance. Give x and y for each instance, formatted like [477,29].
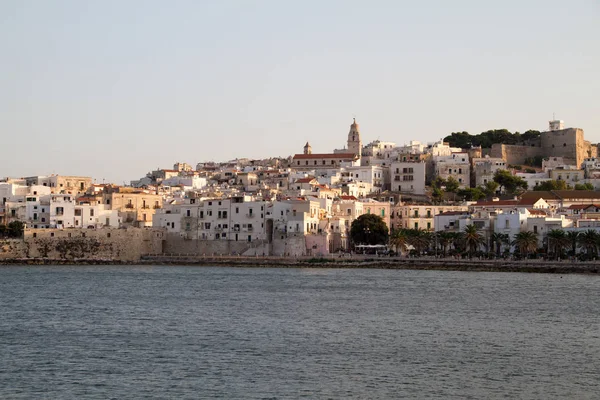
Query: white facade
[456,166]
[408,177]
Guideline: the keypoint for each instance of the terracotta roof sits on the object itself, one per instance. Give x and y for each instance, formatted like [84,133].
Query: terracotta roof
[304,180]
[536,211]
[348,198]
[583,206]
[562,194]
[340,156]
[499,203]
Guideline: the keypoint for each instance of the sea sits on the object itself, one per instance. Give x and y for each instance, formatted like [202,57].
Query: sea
[184,332]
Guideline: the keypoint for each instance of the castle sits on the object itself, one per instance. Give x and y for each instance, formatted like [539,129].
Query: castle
[556,142]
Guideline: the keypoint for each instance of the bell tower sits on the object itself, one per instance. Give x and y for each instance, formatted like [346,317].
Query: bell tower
[307,149]
[354,143]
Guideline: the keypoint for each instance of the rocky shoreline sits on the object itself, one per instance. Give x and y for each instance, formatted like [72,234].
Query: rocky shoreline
[535,266]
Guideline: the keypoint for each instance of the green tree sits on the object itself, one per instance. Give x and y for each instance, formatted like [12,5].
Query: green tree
[511,184]
[15,229]
[451,185]
[437,195]
[551,185]
[369,229]
[589,242]
[557,242]
[399,240]
[573,237]
[490,188]
[470,194]
[526,242]
[498,239]
[472,238]
[444,239]
[584,186]
[419,239]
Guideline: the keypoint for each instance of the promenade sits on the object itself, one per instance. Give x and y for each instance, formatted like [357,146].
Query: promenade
[383,262]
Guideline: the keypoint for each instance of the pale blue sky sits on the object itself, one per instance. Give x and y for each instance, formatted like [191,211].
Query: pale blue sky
[113,89]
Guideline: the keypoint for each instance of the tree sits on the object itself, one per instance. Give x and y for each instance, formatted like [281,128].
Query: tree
[573,237]
[471,194]
[490,188]
[526,242]
[437,194]
[589,242]
[15,229]
[369,229]
[419,239]
[399,240]
[452,185]
[444,239]
[498,239]
[584,186]
[557,242]
[551,185]
[472,238]
[512,184]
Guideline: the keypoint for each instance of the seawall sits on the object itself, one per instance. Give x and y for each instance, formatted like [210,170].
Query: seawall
[531,266]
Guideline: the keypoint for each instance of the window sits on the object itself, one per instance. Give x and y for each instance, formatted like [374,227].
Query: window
[429,225]
[108,235]
[51,234]
[416,225]
[34,234]
[237,210]
[188,213]
[416,213]
[428,213]
[91,212]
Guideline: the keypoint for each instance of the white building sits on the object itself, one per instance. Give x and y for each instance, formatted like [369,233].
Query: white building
[456,165]
[408,177]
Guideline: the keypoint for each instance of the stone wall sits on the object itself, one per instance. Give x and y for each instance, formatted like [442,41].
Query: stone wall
[515,154]
[566,143]
[175,244]
[12,248]
[106,244]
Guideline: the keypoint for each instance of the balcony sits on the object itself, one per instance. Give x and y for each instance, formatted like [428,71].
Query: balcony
[250,215]
[129,205]
[250,229]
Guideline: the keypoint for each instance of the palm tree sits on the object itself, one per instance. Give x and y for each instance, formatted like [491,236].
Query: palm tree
[458,241]
[589,241]
[472,238]
[573,237]
[557,242]
[419,239]
[399,239]
[499,239]
[525,242]
[444,239]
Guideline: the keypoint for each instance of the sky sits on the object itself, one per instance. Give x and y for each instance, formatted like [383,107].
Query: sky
[114,89]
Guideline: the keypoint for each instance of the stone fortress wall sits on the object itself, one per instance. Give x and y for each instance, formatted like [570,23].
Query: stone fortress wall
[567,143]
[90,244]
